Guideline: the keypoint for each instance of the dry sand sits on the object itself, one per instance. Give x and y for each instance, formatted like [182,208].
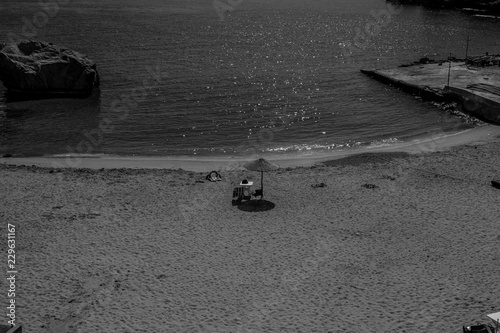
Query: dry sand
[392,243]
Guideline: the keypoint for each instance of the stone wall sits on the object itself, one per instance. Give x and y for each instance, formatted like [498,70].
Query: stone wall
[481,107]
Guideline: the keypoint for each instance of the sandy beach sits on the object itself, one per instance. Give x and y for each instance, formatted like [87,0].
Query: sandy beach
[386,241]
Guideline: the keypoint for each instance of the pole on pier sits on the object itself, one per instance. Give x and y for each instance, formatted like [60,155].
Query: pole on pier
[449,69]
[467,48]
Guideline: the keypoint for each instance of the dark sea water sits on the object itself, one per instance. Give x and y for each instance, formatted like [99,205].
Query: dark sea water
[276,77]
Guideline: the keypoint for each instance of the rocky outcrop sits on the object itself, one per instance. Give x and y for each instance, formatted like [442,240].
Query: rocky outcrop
[484,6]
[483,60]
[36,68]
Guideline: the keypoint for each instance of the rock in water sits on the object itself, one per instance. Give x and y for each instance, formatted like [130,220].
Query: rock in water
[43,69]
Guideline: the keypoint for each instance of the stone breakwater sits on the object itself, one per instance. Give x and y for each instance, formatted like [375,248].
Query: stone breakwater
[476,90]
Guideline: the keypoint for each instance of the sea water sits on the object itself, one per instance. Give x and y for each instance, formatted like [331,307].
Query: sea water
[211,78]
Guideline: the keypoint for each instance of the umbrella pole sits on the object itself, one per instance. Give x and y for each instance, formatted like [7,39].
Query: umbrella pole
[262,184]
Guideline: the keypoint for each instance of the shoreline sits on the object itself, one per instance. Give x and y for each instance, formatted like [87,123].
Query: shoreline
[196,164]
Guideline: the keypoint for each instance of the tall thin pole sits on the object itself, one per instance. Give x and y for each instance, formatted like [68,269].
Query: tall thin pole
[262,180]
[467,48]
[261,184]
[449,69]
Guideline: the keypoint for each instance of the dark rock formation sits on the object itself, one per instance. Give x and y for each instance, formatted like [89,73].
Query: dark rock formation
[485,6]
[43,69]
[483,60]
[424,60]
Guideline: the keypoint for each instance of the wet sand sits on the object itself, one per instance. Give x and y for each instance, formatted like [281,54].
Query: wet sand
[438,142]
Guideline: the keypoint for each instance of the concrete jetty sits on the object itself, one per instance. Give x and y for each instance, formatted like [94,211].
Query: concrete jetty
[476,89]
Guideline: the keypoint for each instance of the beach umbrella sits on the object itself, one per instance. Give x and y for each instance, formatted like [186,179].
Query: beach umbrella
[263,166]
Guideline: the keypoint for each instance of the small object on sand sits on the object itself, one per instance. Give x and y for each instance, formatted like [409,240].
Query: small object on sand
[495,183]
[11,328]
[371,186]
[318,185]
[478,328]
[485,327]
[257,193]
[213,176]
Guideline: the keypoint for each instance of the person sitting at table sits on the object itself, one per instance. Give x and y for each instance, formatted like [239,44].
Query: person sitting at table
[246,189]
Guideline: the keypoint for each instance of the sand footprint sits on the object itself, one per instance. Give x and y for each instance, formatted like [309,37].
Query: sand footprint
[96,294]
[77,311]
